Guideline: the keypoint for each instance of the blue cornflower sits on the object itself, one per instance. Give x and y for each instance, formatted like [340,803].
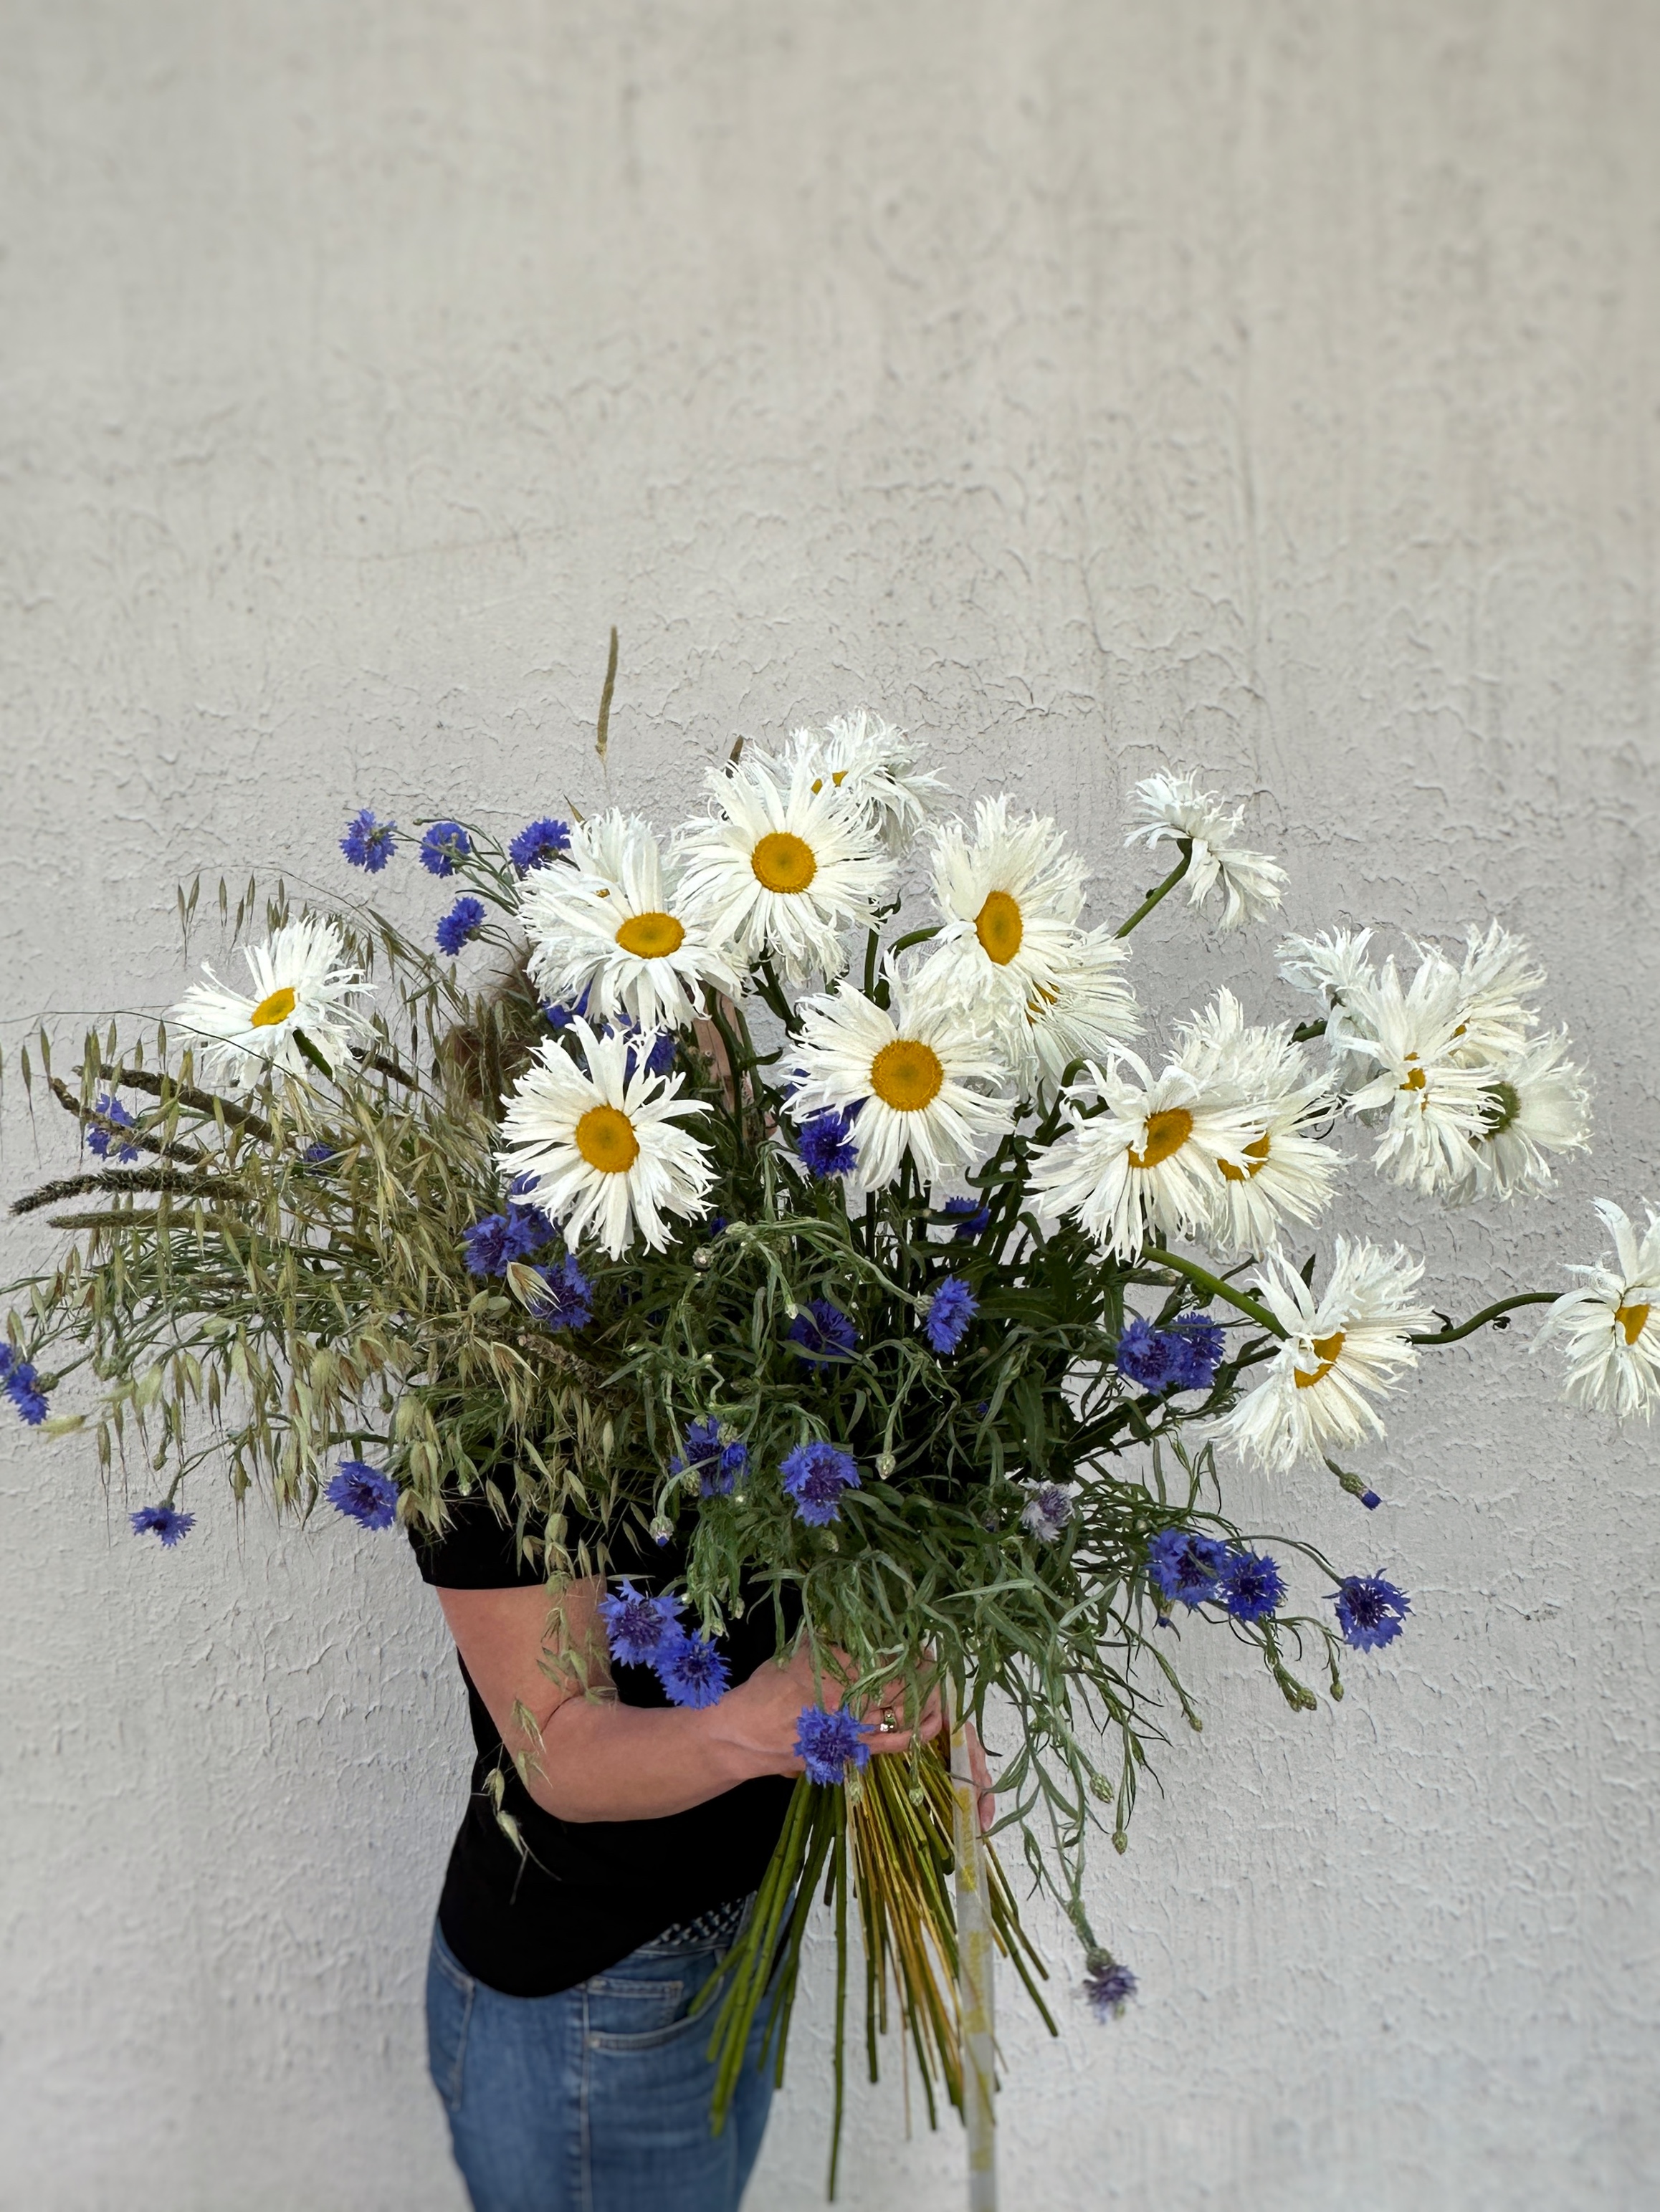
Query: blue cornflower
[363,1494]
[828,1744]
[558,1017]
[538,843]
[822,1333]
[1145,1355]
[460,925]
[566,1299]
[20,1383]
[950,1309]
[1186,1565]
[162,1521]
[637,1628]
[444,844]
[316,1158]
[1250,1585]
[1107,1985]
[715,1454]
[692,1671]
[1198,1344]
[973,1218]
[1370,1500]
[99,1141]
[660,1055]
[493,1244]
[825,1142]
[1370,1611]
[369,843]
[815,1476]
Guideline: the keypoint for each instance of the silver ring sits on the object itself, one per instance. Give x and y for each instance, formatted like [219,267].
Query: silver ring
[889,1725]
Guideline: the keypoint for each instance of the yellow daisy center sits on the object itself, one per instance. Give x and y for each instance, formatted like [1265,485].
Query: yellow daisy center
[838,778]
[272,1011]
[907,1075]
[1326,1349]
[651,936]
[1167,1132]
[1416,1079]
[606,1139]
[783,862]
[999,927]
[1257,1154]
[1633,1320]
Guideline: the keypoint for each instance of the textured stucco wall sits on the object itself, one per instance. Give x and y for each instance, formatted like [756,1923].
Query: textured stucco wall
[1265,385]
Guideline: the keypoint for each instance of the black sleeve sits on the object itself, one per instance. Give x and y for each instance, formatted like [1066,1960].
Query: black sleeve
[476,1552]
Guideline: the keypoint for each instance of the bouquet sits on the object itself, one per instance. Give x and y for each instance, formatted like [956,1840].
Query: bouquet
[888,1254]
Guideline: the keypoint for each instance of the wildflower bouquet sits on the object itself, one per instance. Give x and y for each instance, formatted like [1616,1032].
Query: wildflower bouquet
[687,1185]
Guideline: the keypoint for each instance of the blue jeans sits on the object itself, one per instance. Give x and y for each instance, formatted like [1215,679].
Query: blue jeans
[596,2100]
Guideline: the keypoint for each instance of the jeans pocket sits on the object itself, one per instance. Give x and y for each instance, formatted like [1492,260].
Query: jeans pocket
[637,2012]
[450,1996]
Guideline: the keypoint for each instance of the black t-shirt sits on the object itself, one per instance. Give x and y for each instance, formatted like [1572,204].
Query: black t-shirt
[586,1893]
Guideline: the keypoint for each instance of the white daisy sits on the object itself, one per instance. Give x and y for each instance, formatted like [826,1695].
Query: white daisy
[1286,1174]
[301,982]
[785,868]
[1328,965]
[1085,1012]
[918,1075]
[615,924]
[1495,980]
[1148,1164]
[1611,1327]
[601,1152]
[871,763]
[1427,1104]
[1535,1103]
[1010,899]
[1175,807]
[1347,1343]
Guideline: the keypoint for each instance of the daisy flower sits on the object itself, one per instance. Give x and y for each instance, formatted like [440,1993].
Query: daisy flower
[601,1152]
[783,869]
[613,925]
[1286,1174]
[1428,1105]
[1148,1163]
[301,982]
[921,1069]
[1174,807]
[872,764]
[1085,1012]
[1341,1348]
[1010,897]
[1612,1325]
[1539,1103]
[1495,980]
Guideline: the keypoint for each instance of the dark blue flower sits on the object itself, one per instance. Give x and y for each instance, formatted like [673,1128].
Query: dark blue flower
[538,843]
[660,1055]
[460,925]
[493,1244]
[1145,1355]
[637,1628]
[316,1158]
[21,1386]
[1107,1986]
[1186,1565]
[815,1476]
[717,1457]
[691,1670]
[1370,1500]
[565,1297]
[973,1217]
[444,844]
[559,1017]
[825,1142]
[363,1494]
[950,1309]
[1250,1585]
[828,1744]
[369,843]
[1199,1344]
[1370,1611]
[1183,1357]
[99,1141]
[822,1333]
[162,1521]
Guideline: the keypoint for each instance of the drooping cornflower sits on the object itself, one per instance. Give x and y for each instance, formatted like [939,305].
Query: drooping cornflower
[691,1670]
[1250,1585]
[1611,1324]
[369,843]
[21,1386]
[1370,1611]
[363,1493]
[444,844]
[493,1244]
[950,1310]
[1107,1987]
[164,1522]
[972,1215]
[1173,807]
[825,1142]
[638,1627]
[99,1141]
[822,1333]
[565,1297]
[460,925]
[715,1454]
[538,843]
[815,1475]
[1185,1565]
[1048,1512]
[302,984]
[828,1744]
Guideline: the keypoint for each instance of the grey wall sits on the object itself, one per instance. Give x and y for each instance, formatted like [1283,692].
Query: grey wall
[1263,387]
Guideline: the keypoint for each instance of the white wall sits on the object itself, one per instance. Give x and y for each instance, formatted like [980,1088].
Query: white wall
[1264,385]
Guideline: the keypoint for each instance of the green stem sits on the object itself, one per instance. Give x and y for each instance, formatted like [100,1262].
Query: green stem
[1451,1335]
[1156,1257]
[1184,846]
